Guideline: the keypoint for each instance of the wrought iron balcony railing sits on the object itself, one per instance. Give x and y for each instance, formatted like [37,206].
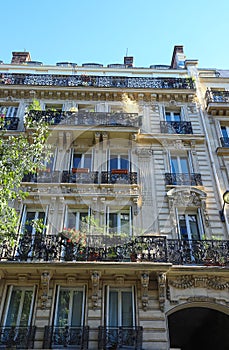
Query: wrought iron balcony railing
[173,127]
[66,337]
[214,96]
[113,338]
[10,123]
[119,249]
[224,141]
[119,176]
[87,118]
[13,337]
[95,81]
[90,177]
[182,179]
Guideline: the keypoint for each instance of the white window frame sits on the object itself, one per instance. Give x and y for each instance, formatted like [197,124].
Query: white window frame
[77,211]
[82,161]
[119,291]
[119,213]
[8,299]
[178,156]
[172,113]
[71,290]
[199,221]
[119,156]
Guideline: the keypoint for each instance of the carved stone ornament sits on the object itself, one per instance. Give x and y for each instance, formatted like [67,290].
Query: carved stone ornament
[189,281]
[95,277]
[161,290]
[144,152]
[144,290]
[45,279]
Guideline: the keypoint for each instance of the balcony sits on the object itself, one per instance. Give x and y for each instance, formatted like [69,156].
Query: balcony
[181,179]
[14,337]
[217,101]
[119,176]
[119,119]
[172,127]
[11,123]
[114,338]
[95,81]
[66,337]
[117,248]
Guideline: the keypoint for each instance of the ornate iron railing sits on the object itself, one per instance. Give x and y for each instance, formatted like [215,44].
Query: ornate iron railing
[87,118]
[100,247]
[90,177]
[182,179]
[66,337]
[212,96]
[119,177]
[11,123]
[13,337]
[114,338]
[95,81]
[173,127]
[224,141]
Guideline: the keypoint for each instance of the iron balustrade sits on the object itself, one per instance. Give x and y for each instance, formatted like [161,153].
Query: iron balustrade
[117,338]
[95,81]
[10,123]
[214,96]
[119,177]
[224,141]
[173,127]
[66,337]
[87,118]
[183,179]
[100,247]
[15,337]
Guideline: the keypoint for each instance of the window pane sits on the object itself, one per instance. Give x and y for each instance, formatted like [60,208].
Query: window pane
[113,309]
[113,222]
[26,308]
[177,117]
[168,117]
[124,162]
[184,165]
[224,131]
[87,161]
[63,308]
[13,310]
[30,216]
[174,165]
[127,309]
[113,163]
[125,223]
[77,160]
[183,227]
[77,307]
[194,230]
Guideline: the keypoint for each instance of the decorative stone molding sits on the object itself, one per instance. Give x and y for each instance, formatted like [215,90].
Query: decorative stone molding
[161,290]
[95,277]
[45,279]
[145,290]
[144,152]
[189,281]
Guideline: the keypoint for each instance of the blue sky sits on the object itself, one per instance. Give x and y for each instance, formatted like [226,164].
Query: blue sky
[101,31]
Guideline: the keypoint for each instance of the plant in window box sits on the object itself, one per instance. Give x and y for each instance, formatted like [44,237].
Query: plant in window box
[119,171]
[74,236]
[80,170]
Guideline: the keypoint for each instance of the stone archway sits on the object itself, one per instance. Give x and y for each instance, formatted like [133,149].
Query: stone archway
[198,328]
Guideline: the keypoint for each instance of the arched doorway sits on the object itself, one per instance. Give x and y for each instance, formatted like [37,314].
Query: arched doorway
[199,328]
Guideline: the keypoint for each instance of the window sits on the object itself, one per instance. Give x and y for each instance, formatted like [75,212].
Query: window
[190,226]
[29,219]
[9,111]
[180,164]
[119,221]
[81,160]
[120,307]
[74,218]
[69,307]
[19,306]
[120,161]
[172,116]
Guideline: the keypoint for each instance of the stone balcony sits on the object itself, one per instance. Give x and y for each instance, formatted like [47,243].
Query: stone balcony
[217,102]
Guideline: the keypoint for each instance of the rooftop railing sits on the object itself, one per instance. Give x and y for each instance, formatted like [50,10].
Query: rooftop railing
[95,81]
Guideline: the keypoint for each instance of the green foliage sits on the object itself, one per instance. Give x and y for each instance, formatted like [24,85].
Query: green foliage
[19,154]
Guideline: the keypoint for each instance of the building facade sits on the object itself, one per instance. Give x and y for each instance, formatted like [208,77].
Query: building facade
[134,253]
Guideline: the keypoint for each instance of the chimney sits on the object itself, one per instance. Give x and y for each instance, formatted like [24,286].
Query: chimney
[20,57]
[178,57]
[128,61]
